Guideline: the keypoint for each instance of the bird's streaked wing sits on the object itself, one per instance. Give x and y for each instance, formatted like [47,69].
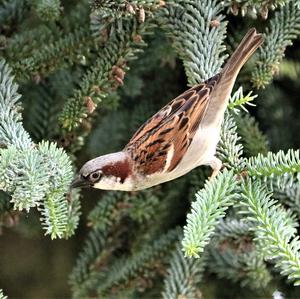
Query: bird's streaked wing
[172,128]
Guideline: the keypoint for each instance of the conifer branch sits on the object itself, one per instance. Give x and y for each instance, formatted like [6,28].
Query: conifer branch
[140,207]
[2,296]
[231,228]
[283,28]
[34,41]
[238,100]
[272,228]
[209,207]
[11,129]
[107,212]
[148,257]
[248,268]
[106,220]
[234,256]
[28,41]
[55,207]
[12,11]
[290,196]
[20,172]
[62,53]
[42,112]
[105,76]
[122,5]
[190,25]
[108,16]
[254,7]
[84,278]
[73,214]
[48,10]
[34,176]
[184,276]
[257,275]
[229,149]
[143,206]
[253,139]
[280,168]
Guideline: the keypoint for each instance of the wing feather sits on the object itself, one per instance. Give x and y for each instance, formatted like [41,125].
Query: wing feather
[167,111]
[170,129]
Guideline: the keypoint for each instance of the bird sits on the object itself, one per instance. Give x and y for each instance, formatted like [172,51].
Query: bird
[180,137]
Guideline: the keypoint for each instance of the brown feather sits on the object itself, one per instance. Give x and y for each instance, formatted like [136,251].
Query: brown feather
[173,127]
[120,169]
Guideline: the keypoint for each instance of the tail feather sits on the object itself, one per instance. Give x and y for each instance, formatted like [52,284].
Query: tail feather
[251,41]
[221,92]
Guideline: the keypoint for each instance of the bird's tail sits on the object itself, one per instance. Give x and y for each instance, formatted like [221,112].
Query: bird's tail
[221,92]
[251,41]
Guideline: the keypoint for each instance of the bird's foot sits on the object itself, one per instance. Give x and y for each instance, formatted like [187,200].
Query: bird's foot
[216,165]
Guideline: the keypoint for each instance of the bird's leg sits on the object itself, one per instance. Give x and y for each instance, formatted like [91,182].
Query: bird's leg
[216,165]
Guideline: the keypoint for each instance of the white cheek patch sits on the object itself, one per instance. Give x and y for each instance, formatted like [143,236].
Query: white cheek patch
[106,183]
[114,183]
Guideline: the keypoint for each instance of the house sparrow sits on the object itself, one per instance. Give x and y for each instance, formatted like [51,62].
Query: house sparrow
[181,136]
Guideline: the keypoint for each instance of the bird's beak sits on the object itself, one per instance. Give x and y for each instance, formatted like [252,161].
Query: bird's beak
[79,181]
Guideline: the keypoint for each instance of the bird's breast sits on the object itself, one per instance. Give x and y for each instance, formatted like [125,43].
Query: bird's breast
[200,152]
[202,148]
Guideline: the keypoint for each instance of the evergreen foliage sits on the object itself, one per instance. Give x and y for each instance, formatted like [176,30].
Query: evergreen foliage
[280,167]
[184,276]
[108,17]
[283,28]
[273,232]
[12,11]
[239,101]
[103,68]
[229,149]
[29,41]
[83,279]
[2,295]
[254,7]
[62,53]
[210,205]
[254,141]
[105,76]
[248,269]
[148,258]
[48,10]
[290,196]
[34,175]
[12,132]
[190,25]
[234,256]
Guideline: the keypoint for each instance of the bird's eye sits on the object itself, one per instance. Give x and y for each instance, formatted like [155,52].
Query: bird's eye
[95,175]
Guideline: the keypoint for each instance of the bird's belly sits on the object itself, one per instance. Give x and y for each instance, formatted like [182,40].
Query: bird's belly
[202,149]
[200,152]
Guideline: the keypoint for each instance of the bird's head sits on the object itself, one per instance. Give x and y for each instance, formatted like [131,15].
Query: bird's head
[108,172]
